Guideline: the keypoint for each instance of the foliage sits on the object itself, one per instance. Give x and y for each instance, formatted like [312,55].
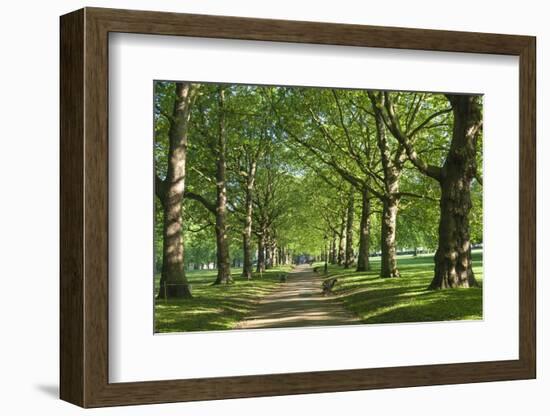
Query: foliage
[292,156]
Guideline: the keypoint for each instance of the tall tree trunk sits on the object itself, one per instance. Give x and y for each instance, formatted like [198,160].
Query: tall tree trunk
[222,257]
[333,253]
[364,233]
[269,252]
[391,168]
[275,255]
[342,243]
[247,249]
[173,282]
[453,261]
[390,205]
[247,232]
[349,231]
[260,266]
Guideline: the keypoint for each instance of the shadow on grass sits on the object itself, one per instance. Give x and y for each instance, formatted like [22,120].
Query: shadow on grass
[214,307]
[406,299]
[365,294]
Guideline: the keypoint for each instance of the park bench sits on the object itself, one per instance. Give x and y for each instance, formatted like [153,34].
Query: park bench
[328,285]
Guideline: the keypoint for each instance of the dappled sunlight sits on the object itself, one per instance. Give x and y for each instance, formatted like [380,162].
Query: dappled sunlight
[252,176]
[214,307]
[299,302]
[406,299]
[359,297]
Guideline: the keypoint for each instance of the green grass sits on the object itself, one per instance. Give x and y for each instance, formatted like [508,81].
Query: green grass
[405,299]
[214,307]
[373,299]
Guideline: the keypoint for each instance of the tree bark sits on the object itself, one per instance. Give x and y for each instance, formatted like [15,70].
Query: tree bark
[269,252]
[391,168]
[342,243]
[222,257]
[275,254]
[364,233]
[333,253]
[390,206]
[173,282]
[349,231]
[260,266]
[453,261]
[247,232]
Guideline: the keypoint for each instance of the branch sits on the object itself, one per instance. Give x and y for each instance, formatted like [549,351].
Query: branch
[350,153]
[393,125]
[343,124]
[208,205]
[203,175]
[198,230]
[413,110]
[413,195]
[427,120]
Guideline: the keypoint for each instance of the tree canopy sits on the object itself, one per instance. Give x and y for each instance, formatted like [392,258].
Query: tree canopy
[271,173]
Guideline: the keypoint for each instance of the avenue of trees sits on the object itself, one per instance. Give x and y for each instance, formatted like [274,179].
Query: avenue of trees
[250,177]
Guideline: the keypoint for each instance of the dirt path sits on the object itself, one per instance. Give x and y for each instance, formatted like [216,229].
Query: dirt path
[298,302]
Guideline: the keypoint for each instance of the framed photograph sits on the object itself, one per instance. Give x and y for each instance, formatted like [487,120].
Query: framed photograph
[255,207]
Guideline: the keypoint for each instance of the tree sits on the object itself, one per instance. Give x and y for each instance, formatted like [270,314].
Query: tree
[223,263]
[210,171]
[251,163]
[349,255]
[322,128]
[340,136]
[364,232]
[453,263]
[392,167]
[170,191]
[253,131]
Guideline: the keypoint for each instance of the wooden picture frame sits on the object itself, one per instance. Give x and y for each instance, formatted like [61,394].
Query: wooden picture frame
[84,207]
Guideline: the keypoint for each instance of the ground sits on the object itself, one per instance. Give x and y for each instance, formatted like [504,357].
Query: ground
[214,307]
[298,302]
[359,297]
[405,299]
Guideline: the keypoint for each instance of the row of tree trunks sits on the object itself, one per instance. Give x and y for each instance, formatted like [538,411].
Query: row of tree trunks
[260,265]
[270,255]
[271,259]
[170,191]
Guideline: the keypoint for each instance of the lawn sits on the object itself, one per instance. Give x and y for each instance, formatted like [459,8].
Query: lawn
[214,307]
[371,298]
[405,299]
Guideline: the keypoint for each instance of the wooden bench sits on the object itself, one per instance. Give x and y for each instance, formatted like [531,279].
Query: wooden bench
[328,285]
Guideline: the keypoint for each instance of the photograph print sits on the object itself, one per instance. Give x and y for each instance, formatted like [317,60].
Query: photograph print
[289,206]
